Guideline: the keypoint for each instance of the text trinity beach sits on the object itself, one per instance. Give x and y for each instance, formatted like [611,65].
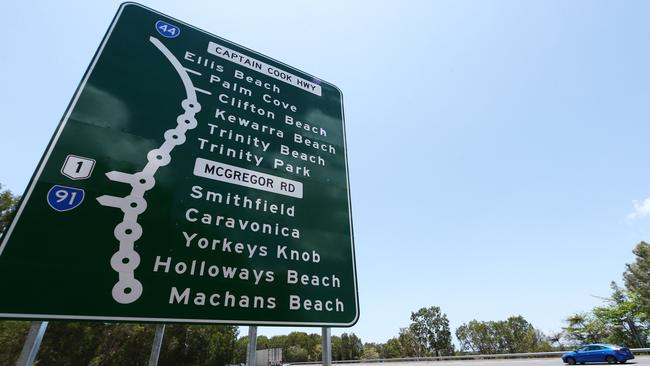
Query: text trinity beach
[190,180]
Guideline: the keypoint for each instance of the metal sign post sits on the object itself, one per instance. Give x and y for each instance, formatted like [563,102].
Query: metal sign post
[251,352]
[327,346]
[157,345]
[32,344]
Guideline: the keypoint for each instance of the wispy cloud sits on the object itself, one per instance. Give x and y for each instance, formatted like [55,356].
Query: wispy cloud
[640,209]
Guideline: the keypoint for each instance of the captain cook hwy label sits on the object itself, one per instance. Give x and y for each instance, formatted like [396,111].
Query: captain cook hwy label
[190,180]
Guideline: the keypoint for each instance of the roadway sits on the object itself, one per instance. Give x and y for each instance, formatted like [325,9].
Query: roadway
[639,360]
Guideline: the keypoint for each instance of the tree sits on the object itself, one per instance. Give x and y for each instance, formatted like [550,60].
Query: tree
[346,347]
[8,207]
[408,343]
[464,338]
[113,344]
[310,343]
[337,354]
[278,341]
[296,354]
[370,351]
[520,336]
[241,347]
[584,328]
[637,275]
[351,347]
[262,342]
[72,343]
[392,349]
[513,335]
[197,345]
[12,336]
[296,346]
[478,336]
[624,318]
[555,340]
[430,327]
[222,344]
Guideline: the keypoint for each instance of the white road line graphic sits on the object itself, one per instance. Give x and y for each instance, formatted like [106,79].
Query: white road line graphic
[126,259]
[192,71]
[203,91]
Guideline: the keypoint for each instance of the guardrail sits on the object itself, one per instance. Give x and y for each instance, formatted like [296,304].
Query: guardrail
[465,357]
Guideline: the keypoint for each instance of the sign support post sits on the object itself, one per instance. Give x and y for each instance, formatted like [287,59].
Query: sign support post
[252,346]
[157,345]
[327,346]
[32,344]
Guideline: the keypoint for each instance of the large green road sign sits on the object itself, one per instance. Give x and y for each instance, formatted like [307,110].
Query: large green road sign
[190,180]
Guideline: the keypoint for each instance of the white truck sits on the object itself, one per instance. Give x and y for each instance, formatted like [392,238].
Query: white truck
[269,357]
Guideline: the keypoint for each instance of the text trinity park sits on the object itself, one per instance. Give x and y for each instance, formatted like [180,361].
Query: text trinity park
[190,180]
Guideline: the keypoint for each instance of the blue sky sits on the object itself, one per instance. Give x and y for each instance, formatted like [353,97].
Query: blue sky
[496,148]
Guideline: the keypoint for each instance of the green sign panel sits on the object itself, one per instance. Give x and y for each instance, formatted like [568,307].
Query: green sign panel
[190,180]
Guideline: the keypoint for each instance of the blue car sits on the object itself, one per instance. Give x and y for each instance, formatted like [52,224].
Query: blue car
[598,353]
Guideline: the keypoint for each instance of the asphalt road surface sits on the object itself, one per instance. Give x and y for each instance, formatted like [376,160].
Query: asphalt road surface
[639,360]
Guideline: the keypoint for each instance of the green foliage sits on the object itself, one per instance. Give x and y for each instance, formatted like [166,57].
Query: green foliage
[278,341]
[311,343]
[306,347]
[296,354]
[75,343]
[120,344]
[114,344]
[262,342]
[12,336]
[198,345]
[624,319]
[392,349]
[408,343]
[8,207]
[370,351]
[513,335]
[477,336]
[241,346]
[637,275]
[585,328]
[520,336]
[296,347]
[555,341]
[347,347]
[430,328]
